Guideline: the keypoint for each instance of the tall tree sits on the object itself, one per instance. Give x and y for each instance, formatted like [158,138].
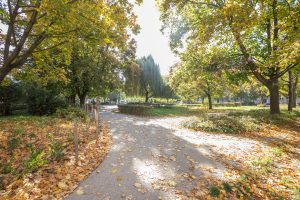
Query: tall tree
[266,33]
[36,26]
[200,74]
[150,79]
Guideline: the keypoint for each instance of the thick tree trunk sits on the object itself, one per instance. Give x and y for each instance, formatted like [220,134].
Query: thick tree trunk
[147,96]
[274,96]
[3,73]
[209,101]
[290,91]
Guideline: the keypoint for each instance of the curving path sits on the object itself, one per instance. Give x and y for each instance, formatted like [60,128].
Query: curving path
[152,158]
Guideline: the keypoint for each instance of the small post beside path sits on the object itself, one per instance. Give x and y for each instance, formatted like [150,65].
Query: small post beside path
[75,139]
[97,118]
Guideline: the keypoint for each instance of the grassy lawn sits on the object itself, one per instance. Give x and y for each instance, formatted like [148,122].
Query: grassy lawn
[241,121]
[186,110]
[37,155]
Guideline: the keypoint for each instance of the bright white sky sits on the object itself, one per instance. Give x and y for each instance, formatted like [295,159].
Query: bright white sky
[151,40]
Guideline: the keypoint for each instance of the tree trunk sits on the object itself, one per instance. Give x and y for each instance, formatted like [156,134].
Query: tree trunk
[3,73]
[146,97]
[71,99]
[82,100]
[294,92]
[5,109]
[262,99]
[274,96]
[290,92]
[209,101]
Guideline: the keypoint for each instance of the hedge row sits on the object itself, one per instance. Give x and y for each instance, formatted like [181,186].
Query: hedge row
[135,109]
[228,104]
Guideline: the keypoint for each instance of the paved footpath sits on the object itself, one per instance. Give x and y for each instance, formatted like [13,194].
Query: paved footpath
[151,158]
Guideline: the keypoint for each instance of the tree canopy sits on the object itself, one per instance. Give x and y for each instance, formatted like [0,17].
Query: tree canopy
[264,33]
[34,27]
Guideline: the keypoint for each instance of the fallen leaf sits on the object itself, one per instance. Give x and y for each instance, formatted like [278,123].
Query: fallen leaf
[80,191]
[137,185]
[62,185]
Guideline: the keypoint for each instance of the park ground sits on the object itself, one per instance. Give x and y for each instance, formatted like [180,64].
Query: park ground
[184,152]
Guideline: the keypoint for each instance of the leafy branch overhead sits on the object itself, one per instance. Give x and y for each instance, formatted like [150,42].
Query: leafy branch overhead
[38,26]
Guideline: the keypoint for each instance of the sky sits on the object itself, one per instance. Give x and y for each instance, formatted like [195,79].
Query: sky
[151,40]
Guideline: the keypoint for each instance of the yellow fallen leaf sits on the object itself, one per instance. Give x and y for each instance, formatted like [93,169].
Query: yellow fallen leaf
[62,185]
[79,191]
[114,170]
[137,185]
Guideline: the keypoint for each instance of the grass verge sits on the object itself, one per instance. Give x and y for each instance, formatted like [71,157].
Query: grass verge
[240,122]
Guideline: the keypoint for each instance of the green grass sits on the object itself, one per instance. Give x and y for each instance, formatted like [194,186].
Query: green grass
[277,151]
[239,121]
[19,118]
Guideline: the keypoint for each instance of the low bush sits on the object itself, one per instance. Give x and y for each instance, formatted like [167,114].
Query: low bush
[234,104]
[214,191]
[34,162]
[222,124]
[135,109]
[264,164]
[7,168]
[13,143]
[56,148]
[43,101]
[71,113]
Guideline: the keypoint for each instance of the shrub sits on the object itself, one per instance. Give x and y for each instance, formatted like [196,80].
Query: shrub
[56,148]
[227,187]
[43,101]
[265,164]
[34,162]
[71,112]
[7,169]
[19,131]
[228,104]
[135,109]
[13,143]
[223,124]
[277,151]
[9,94]
[214,191]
